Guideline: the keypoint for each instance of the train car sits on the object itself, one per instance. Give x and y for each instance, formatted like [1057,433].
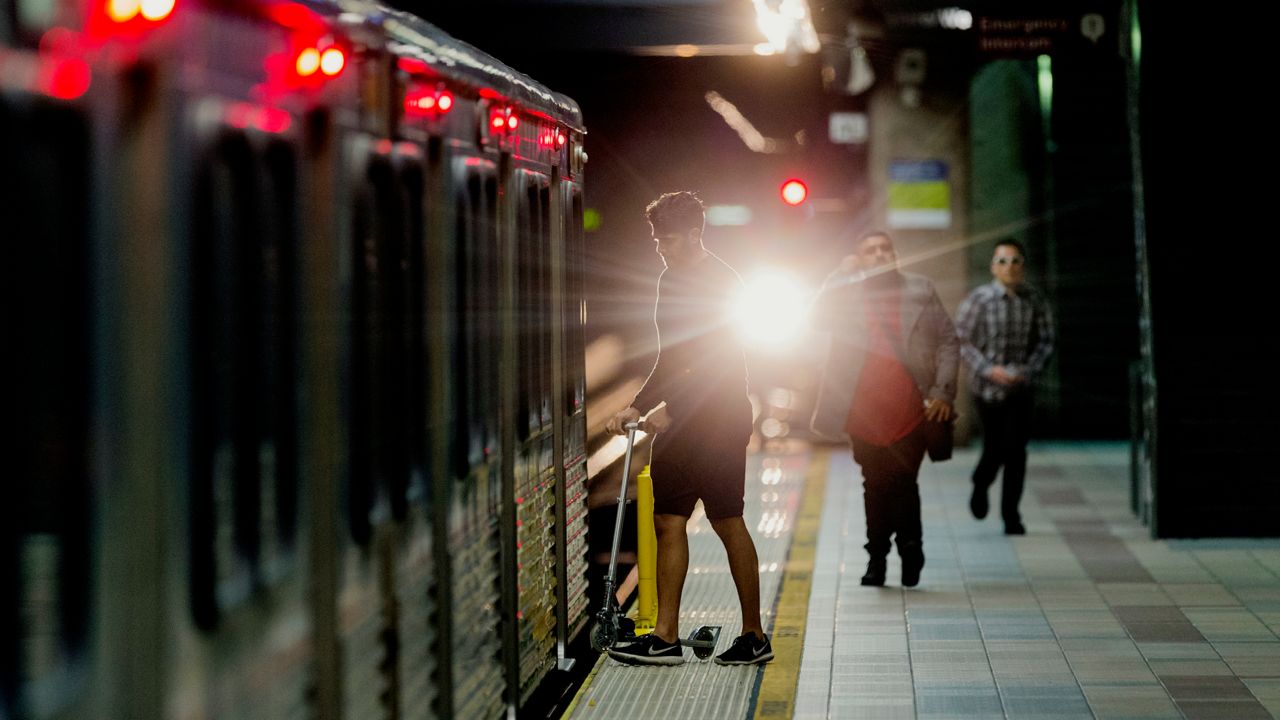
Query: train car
[294,355]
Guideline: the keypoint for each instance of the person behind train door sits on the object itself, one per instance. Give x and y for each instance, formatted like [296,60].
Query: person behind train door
[891,369]
[1006,334]
[699,451]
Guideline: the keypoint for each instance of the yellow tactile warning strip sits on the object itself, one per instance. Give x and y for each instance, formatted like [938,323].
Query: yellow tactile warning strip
[777,696]
[585,684]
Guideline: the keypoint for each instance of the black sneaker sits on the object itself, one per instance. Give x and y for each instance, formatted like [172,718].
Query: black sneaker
[648,650]
[1014,527]
[747,650]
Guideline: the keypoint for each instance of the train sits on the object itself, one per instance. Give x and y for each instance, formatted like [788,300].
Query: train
[294,328]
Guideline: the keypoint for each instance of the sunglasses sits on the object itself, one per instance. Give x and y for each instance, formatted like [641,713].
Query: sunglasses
[1009,261]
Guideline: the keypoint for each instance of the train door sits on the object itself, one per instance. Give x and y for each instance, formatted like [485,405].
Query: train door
[47,496]
[386,597]
[246,584]
[472,315]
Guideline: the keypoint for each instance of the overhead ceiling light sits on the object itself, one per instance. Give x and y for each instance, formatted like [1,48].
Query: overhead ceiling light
[787,25]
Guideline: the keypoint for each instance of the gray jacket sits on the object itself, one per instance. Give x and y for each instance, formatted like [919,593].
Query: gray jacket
[931,353]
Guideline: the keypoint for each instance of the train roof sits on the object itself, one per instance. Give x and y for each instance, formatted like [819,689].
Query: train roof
[411,36]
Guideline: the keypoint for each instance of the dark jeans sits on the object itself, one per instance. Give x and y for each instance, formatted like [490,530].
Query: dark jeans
[891,493]
[1005,431]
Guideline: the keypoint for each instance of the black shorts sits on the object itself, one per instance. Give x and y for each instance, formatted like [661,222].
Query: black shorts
[686,469]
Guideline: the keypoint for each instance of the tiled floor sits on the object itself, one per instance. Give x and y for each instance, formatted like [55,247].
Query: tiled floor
[1083,617]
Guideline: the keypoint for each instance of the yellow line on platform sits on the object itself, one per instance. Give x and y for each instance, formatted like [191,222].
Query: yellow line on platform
[777,698]
[568,712]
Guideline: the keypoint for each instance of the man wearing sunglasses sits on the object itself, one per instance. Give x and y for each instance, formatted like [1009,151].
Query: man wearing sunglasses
[1006,334]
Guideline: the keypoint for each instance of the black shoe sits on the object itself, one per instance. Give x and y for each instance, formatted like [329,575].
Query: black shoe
[648,650]
[747,649]
[978,502]
[1014,528]
[875,572]
[912,564]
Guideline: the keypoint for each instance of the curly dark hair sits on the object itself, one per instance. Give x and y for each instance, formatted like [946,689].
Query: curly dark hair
[676,212]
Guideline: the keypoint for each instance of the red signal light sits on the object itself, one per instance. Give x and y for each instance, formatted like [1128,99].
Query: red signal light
[513,122]
[499,122]
[444,102]
[794,192]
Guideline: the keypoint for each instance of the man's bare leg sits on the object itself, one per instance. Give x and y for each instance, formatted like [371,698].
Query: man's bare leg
[744,565]
[673,565]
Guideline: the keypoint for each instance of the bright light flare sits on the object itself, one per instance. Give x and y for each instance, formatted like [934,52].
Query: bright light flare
[771,312]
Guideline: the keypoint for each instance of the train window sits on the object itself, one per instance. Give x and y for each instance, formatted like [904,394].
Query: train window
[381,339]
[574,309]
[244,465]
[488,287]
[412,186]
[530,319]
[46,495]
[545,319]
[279,441]
[460,340]
[392,336]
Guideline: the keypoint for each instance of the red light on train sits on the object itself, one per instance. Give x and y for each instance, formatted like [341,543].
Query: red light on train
[157,10]
[122,11]
[308,62]
[794,192]
[273,120]
[413,66]
[332,60]
[503,119]
[427,102]
[67,78]
[560,138]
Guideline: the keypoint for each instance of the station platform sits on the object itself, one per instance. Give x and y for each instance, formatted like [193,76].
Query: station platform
[1083,617]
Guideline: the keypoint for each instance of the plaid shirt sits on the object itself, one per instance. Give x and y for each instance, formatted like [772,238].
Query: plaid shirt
[999,327]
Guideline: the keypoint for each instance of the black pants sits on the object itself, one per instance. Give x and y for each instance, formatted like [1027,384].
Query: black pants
[1005,431]
[891,492]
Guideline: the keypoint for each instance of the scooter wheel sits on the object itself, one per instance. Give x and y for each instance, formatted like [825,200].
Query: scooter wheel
[602,637]
[704,635]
